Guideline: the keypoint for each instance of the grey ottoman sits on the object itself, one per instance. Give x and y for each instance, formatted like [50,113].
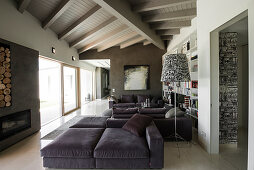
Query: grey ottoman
[73,149]
[91,122]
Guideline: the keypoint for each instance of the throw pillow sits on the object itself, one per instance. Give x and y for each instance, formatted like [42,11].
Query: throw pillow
[155,100]
[137,124]
[127,99]
[171,113]
[142,98]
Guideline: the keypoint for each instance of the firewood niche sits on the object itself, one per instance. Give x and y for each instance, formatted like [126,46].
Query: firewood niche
[5,75]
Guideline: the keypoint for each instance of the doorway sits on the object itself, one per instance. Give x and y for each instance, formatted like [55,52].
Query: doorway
[86,86]
[229,91]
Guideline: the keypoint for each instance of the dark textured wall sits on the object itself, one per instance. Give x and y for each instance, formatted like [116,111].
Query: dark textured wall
[133,55]
[25,89]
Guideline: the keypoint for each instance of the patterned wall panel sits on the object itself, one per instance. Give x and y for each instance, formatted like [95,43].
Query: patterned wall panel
[228,88]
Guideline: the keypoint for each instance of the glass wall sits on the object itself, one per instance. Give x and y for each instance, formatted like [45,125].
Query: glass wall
[50,90]
[86,78]
[70,88]
[62,89]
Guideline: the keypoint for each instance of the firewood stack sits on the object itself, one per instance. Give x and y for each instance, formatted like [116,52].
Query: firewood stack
[5,76]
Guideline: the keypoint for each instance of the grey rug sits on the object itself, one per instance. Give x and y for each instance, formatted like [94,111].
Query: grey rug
[52,135]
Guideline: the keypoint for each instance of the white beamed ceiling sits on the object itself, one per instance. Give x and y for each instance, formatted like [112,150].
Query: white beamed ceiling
[42,9]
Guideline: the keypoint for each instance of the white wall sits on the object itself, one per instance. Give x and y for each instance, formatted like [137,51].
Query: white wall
[26,30]
[211,15]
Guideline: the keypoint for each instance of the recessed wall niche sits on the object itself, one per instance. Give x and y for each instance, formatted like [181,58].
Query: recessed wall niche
[5,75]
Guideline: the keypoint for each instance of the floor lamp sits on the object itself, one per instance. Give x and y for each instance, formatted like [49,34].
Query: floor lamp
[175,69]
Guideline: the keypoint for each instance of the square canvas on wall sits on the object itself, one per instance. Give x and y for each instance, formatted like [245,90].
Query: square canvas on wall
[136,77]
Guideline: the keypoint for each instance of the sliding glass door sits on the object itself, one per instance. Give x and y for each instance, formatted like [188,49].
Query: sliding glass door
[86,78]
[50,90]
[70,88]
[60,87]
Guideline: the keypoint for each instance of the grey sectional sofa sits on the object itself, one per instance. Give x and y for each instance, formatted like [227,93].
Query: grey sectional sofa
[110,147]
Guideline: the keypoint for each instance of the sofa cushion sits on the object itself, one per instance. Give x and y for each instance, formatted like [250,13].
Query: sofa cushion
[74,143]
[127,99]
[142,98]
[125,110]
[152,105]
[125,116]
[124,105]
[156,116]
[119,143]
[91,122]
[137,124]
[115,123]
[152,111]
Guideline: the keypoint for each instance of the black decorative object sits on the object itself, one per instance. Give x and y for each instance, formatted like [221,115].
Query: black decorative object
[228,88]
[136,77]
[53,50]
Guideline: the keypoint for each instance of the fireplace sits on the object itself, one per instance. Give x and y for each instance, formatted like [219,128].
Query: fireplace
[14,123]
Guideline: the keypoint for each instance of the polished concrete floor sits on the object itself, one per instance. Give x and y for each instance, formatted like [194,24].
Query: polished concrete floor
[25,155]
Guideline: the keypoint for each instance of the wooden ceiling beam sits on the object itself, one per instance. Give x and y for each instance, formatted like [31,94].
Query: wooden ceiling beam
[146,42]
[187,13]
[22,5]
[92,32]
[117,41]
[63,6]
[167,37]
[170,24]
[122,10]
[103,39]
[158,4]
[77,23]
[131,42]
[168,32]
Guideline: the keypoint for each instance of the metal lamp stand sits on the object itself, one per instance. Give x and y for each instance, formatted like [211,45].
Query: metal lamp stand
[176,135]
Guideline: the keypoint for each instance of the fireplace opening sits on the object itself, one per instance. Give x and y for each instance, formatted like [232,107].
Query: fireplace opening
[14,123]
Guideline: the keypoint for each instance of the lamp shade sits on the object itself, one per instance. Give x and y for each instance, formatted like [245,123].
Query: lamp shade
[175,68]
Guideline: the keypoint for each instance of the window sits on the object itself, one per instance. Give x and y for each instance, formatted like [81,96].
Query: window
[70,88]
[50,90]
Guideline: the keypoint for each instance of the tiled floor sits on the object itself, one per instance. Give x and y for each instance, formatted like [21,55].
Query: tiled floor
[25,155]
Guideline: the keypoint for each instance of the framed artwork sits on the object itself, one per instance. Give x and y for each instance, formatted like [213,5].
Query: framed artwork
[136,77]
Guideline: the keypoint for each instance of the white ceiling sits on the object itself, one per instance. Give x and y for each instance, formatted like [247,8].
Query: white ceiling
[88,24]
[103,63]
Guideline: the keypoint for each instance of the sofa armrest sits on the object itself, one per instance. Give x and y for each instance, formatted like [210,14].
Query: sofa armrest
[156,146]
[111,103]
[184,127]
